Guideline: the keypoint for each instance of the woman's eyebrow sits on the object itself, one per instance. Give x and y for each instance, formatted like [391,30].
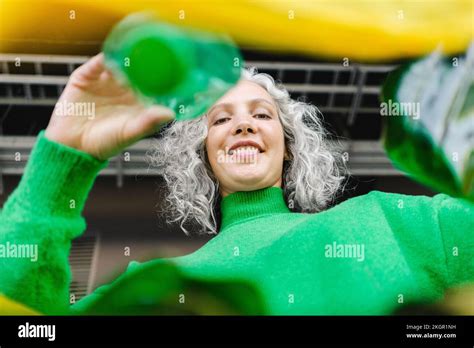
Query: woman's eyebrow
[250,103]
[258,101]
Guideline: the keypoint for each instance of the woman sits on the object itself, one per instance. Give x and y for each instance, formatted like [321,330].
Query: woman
[262,162]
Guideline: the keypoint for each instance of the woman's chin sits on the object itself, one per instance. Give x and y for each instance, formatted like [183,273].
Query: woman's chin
[248,175]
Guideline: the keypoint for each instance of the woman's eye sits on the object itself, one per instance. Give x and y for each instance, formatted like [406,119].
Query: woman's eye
[262,116]
[221,120]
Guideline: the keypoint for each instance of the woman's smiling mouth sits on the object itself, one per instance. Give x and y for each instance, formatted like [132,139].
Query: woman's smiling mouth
[244,150]
[243,154]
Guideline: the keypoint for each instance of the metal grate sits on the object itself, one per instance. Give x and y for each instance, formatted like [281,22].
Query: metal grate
[342,93]
[82,260]
[364,158]
[334,88]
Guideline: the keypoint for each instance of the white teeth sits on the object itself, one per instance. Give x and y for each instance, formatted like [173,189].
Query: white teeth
[244,149]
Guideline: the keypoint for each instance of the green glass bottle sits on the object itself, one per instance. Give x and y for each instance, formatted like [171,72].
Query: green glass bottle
[184,69]
[428,114]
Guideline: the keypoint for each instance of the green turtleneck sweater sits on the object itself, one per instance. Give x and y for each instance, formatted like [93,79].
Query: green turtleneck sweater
[368,255]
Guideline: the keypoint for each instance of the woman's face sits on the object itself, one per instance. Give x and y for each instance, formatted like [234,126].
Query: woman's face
[245,141]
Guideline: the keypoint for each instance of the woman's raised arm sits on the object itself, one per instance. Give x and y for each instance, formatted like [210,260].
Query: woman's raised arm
[94,119]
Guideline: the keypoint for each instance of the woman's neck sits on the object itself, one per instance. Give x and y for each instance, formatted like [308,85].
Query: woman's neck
[224,192]
[243,205]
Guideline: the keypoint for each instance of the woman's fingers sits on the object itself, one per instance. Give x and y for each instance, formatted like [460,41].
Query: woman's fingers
[147,122]
[93,68]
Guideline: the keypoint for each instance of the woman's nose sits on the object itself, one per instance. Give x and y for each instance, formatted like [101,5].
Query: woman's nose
[244,126]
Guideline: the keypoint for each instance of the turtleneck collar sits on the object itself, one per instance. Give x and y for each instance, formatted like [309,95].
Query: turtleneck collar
[242,205]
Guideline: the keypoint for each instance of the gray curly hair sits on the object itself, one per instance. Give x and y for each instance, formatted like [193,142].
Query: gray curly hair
[311,177]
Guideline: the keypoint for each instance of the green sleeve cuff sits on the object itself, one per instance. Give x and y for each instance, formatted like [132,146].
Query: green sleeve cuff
[56,181]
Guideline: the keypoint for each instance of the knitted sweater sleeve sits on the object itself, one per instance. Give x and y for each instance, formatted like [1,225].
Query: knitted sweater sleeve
[456,223]
[437,231]
[38,222]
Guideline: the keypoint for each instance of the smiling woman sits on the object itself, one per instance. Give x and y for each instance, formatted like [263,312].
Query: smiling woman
[273,231]
[293,153]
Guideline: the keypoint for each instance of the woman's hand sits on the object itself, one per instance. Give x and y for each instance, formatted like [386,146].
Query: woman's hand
[110,120]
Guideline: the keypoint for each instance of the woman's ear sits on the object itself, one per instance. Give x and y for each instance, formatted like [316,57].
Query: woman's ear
[286,157]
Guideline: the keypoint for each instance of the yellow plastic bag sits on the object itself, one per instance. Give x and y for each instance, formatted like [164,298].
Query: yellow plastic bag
[10,307]
[356,29]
